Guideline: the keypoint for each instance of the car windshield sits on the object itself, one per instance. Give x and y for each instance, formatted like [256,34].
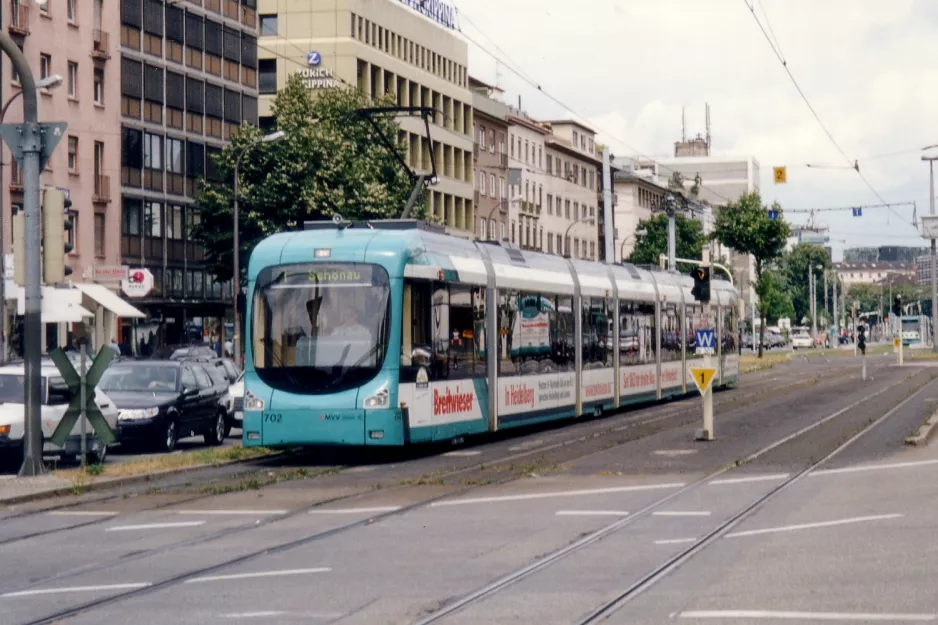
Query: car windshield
[11,388]
[139,378]
[320,327]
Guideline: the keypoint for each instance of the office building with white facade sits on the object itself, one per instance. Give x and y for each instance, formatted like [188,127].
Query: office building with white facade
[526,177]
[384,46]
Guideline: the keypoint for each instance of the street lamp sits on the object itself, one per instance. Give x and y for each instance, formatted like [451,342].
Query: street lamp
[638,233]
[236,275]
[49,82]
[588,221]
[934,260]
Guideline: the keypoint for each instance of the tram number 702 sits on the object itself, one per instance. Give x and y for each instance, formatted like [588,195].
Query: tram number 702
[272,417]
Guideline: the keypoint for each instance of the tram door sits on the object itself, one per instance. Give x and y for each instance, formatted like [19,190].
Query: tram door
[417,352]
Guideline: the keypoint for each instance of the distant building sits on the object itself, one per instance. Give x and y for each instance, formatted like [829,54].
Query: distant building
[490,162]
[873,273]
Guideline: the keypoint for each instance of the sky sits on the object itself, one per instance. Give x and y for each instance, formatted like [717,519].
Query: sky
[628,67]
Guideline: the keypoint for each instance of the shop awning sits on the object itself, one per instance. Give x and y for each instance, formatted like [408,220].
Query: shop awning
[109,300]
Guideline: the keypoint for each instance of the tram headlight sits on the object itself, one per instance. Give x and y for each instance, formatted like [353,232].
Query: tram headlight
[252,402]
[381,399]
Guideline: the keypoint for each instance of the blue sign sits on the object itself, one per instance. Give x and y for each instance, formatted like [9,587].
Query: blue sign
[858,212]
[313,59]
[773,214]
[439,12]
[705,342]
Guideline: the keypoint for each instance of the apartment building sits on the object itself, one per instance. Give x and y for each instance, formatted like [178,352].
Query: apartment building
[188,79]
[573,168]
[638,197]
[526,179]
[72,40]
[490,158]
[408,49]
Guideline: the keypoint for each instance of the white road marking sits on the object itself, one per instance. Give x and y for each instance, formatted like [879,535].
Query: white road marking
[309,615]
[231,512]
[805,526]
[674,452]
[566,493]
[217,578]
[80,513]
[462,453]
[354,510]
[154,526]
[875,467]
[51,591]
[675,541]
[754,478]
[805,616]
[592,513]
[681,513]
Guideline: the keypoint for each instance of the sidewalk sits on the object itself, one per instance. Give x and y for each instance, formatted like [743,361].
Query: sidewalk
[18,489]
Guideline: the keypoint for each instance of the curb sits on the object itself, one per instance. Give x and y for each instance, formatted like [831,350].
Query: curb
[117,482]
[924,432]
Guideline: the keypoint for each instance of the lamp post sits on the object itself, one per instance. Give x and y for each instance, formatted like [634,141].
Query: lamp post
[588,220]
[934,260]
[236,275]
[638,233]
[49,82]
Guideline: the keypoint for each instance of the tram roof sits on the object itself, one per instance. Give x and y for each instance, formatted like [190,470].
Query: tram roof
[431,250]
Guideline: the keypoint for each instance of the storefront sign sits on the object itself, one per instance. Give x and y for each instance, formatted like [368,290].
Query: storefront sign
[319,78]
[439,12]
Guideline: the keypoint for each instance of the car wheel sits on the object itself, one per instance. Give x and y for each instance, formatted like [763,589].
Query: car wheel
[216,436]
[97,457]
[170,436]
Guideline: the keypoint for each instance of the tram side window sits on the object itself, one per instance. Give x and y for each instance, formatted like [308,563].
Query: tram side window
[509,330]
[670,333]
[692,313]
[597,333]
[562,329]
[729,330]
[466,320]
[636,333]
[441,362]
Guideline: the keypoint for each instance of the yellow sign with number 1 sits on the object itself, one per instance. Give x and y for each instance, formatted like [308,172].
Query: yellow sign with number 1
[703,377]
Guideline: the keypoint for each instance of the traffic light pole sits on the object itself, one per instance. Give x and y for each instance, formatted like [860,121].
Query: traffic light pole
[706,434]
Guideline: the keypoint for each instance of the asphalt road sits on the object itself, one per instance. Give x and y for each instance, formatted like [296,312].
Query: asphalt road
[399,537]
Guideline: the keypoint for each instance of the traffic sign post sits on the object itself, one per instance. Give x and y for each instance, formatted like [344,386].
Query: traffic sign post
[83,403]
[139,283]
[703,376]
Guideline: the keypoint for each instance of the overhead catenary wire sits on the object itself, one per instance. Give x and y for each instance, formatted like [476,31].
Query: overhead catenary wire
[853,163]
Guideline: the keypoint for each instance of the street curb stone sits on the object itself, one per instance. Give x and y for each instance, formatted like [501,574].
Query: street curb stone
[117,482]
[924,432]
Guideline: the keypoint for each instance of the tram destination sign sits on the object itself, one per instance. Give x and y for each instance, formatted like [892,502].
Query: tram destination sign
[439,12]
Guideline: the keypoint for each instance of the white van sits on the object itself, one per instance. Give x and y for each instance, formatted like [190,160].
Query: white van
[55,398]
[800,337]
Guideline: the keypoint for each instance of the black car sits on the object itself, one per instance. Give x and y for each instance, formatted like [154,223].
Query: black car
[193,352]
[160,402]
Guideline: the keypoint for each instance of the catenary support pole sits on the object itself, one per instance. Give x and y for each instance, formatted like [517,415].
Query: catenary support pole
[934,260]
[707,433]
[31,147]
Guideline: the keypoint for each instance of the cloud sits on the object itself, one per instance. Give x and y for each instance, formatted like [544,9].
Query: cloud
[628,68]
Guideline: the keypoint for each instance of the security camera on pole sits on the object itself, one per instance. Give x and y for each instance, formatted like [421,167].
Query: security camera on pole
[705,344]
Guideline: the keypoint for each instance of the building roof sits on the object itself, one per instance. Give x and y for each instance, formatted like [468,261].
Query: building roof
[563,146]
[570,122]
[527,122]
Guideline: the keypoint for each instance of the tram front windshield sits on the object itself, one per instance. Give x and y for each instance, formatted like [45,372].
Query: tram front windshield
[320,327]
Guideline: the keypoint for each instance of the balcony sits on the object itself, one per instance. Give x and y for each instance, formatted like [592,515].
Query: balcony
[531,209]
[101,48]
[102,189]
[19,19]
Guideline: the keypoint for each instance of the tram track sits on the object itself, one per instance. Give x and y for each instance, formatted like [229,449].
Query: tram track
[316,536]
[596,427]
[919,380]
[612,423]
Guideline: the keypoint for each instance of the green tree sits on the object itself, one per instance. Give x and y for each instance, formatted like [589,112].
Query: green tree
[795,264]
[868,296]
[688,235]
[330,161]
[776,302]
[745,226]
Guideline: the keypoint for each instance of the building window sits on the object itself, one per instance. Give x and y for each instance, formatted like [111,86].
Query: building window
[99,225]
[73,155]
[70,10]
[45,65]
[268,26]
[492,185]
[99,86]
[267,76]
[72,79]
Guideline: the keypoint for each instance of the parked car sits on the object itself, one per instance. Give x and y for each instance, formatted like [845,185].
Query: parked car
[161,401]
[236,402]
[221,384]
[55,397]
[193,352]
